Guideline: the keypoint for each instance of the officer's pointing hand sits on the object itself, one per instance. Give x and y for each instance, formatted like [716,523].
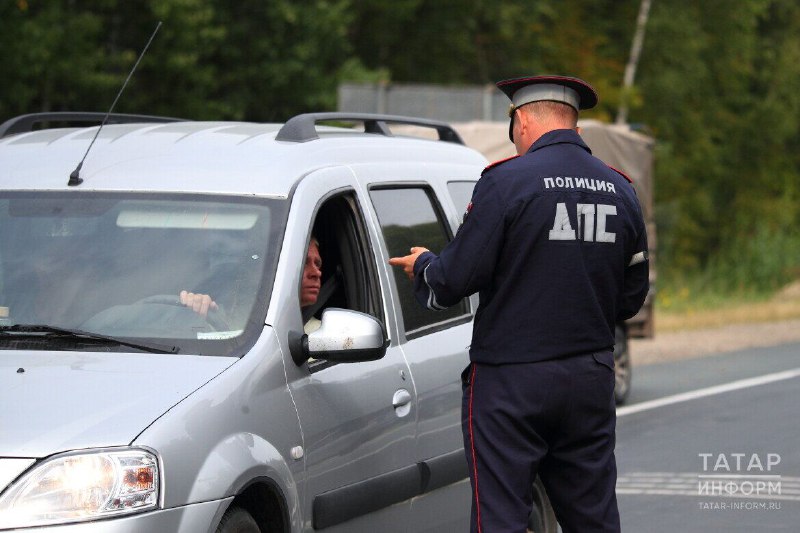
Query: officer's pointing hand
[407,262]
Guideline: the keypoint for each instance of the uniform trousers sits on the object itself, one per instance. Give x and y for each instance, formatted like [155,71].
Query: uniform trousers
[553,418]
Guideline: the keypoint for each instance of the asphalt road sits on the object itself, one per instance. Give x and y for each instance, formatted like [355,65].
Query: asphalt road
[712,444]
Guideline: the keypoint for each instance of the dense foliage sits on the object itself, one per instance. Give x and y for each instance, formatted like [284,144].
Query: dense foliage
[717,86]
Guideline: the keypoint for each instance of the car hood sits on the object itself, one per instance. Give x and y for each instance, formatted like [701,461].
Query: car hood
[56,401]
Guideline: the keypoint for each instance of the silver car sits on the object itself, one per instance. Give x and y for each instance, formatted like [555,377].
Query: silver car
[122,410]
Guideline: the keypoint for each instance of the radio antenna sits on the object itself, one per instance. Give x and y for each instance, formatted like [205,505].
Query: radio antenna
[74,177]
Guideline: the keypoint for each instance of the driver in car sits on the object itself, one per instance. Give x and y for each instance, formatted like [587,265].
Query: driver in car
[309,290]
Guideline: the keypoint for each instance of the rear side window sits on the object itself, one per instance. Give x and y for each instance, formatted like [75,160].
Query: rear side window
[410,217]
[461,191]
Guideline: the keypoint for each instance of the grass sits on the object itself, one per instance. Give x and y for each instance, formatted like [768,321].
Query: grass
[740,283]
[681,310]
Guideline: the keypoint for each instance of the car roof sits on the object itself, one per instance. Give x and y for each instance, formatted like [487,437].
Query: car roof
[204,157]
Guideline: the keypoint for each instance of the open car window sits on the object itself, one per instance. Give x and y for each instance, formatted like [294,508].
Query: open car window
[349,277]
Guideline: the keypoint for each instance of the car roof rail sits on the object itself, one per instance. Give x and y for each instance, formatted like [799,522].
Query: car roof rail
[25,123]
[302,128]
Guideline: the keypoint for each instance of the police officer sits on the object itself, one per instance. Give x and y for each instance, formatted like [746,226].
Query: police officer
[554,242]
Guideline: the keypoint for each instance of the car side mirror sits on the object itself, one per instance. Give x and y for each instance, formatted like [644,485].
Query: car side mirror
[344,336]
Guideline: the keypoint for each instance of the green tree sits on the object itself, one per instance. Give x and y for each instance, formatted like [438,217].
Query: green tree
[719,80]
[212,59]
[50,58]
[175,77]
[71,55]
[280,57]
[482,41]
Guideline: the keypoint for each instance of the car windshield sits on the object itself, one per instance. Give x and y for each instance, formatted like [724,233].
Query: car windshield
[114,265]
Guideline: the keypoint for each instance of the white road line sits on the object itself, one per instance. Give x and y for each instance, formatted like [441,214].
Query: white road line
[785,488]
[696,494]
[709,391]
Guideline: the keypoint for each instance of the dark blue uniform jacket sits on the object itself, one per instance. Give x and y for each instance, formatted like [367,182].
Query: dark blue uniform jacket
[555,243]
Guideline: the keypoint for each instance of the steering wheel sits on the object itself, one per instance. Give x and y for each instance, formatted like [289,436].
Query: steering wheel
[216,318]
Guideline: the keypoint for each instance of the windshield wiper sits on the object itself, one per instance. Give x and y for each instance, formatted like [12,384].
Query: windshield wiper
[77,334]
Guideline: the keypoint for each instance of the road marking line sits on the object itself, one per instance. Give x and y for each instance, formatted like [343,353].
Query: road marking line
[709,391]
[785,488]
[695,494]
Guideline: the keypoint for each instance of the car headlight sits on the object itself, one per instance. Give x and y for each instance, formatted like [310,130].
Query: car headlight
[82,486]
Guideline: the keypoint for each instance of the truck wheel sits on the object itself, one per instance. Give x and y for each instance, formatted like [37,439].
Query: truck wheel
[237,520]
[622,366]
[543,517]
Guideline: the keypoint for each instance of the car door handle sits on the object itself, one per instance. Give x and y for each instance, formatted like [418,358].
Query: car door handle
[401,397]
[402,402]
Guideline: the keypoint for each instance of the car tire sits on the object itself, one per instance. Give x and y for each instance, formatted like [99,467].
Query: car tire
[543,517]
[622,366]
[237,520]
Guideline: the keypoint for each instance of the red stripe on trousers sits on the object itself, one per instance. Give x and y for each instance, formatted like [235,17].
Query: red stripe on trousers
[472,445]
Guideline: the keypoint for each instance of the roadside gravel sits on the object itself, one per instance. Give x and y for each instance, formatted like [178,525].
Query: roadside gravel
[689,344]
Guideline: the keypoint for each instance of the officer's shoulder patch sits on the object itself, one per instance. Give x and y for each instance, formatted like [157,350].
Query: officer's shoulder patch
[498,163]
[621,173]
[466,212]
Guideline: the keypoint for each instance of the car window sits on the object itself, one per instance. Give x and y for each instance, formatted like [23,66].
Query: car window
[114,265]
[461,192]
[349,276]
[409,217]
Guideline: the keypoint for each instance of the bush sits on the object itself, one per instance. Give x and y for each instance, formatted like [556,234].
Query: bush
[750,267]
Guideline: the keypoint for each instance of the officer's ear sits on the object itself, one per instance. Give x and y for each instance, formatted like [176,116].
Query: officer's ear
[520,136]
[520,120]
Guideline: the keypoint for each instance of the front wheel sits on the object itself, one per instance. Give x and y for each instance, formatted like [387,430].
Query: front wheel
[237,520]
[543,517]
[622,366]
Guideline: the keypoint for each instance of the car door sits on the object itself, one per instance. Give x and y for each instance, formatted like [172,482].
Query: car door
[358,419]
[436,345]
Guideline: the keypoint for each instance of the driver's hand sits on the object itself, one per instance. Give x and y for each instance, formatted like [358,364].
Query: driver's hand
[199,303]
